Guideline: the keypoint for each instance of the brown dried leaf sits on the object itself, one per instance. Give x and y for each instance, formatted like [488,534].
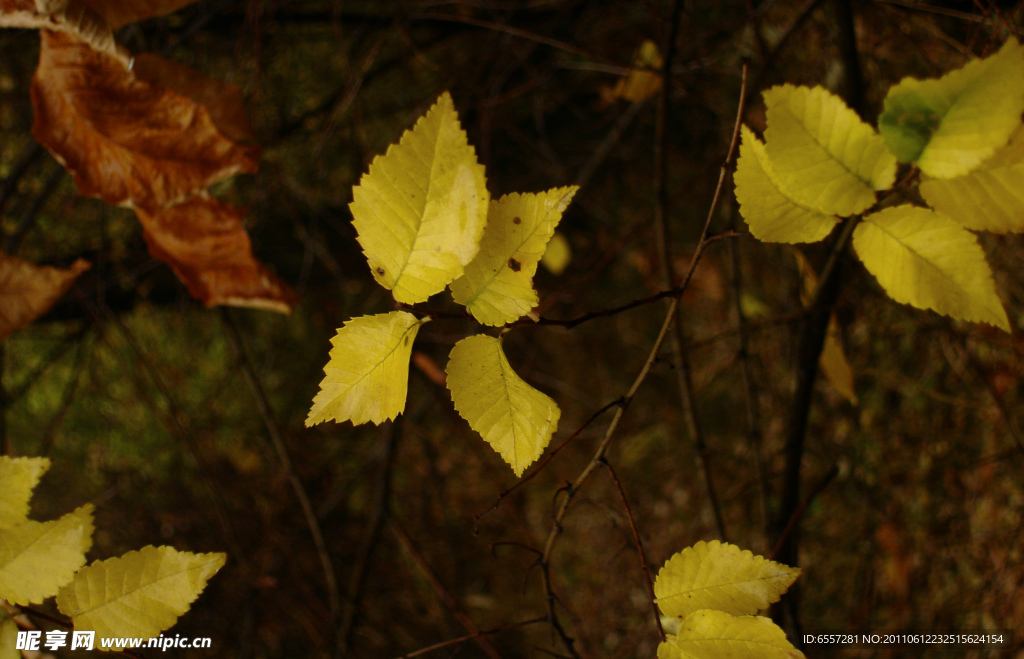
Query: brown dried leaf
[126,141]
[69,16]
[204,242]
[27,290]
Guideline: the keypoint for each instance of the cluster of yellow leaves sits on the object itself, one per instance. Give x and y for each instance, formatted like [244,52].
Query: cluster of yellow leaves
[425,221]
[714,590]
[820,162]
[152,135]
[114,597]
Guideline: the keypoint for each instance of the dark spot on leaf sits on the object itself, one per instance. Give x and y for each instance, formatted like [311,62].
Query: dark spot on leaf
[515,265]
[406,339]
[516,220]
[380,271]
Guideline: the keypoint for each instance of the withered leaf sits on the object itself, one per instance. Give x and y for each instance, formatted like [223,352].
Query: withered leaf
[27,290]
[204,242]
[70,16]
[126,141]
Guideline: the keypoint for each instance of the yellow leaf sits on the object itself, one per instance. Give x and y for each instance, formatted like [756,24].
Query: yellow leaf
[497,286]
[833,361]
[8,636]
[715,575]
[18,477]
[139,594]
[951,124]
[37,558]
[367,375]
[420,211]
[644,79]
[990,197]
[926,260]
[769,212]
[558,254]
[710,634]
[513,417]
[822,154]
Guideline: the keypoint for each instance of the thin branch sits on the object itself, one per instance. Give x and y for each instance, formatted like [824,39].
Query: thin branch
[277,442]
[439,589]
[798,513]
[639,548]
[471,637]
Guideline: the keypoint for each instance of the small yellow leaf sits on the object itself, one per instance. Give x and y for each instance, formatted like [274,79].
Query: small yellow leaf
[716,575]
[37,558]
[421,210]
[948,126]
[833,361]
[8,636]
[139,594]
[926,260]
[823,156]
[558,254]
[497,286]
[708,634]
[367,376]
[513,417]
[644,79]
[990,197]
[769,212]
[18,477]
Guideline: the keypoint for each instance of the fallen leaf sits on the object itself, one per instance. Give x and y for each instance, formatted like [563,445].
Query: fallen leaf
[205,243]
[126,141]
[27,290]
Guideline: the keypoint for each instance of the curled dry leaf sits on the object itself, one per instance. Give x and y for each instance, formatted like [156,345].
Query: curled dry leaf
[27,290]
[126,141]
[205,243]
[69,16]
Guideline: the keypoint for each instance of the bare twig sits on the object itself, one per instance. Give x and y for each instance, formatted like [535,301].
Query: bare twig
[471,637]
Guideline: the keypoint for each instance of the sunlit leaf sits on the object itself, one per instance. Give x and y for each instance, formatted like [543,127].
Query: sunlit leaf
[833,362]
[124,140]
[204,241]
[27,290]
[769,212]
[708,634]
[368,372]
[644,78]
[823,156]
[513,417]
[950,125]
[715,575]
[422,208]
[18,477]
[926,260]
[990,197]
[557,255]
[37,558]
[497,285]
[139,594]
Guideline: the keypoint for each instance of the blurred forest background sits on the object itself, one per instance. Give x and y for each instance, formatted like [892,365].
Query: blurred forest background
[148,409]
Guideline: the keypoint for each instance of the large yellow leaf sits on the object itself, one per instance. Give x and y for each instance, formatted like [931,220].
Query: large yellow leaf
[37,558]
[715,575]
[368,372]
[139,594]
[18,477]
[833,362]
[513,417]
[926,260]
[951,124]
[822,154]
[710,634]
[771,214]
[421,209]
[989,198]
[497,285]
